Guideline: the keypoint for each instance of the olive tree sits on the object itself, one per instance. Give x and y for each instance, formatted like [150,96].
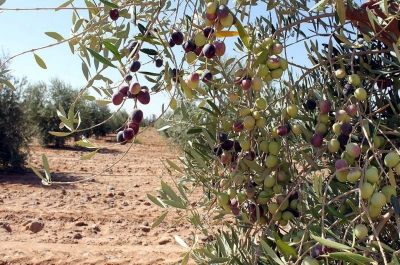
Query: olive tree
[297,162]
[14,132]
[42,101]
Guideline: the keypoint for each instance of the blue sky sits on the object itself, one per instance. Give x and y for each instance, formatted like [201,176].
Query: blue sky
[25,30]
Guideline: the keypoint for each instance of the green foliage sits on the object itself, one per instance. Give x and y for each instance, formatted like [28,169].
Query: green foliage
[149,121]
[176,133]
[93,113]
[174,125]
[43,100]
[14,132]
[272,191]
[116,122]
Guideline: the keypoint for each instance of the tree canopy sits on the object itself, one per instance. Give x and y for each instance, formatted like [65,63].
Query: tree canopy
[298,163]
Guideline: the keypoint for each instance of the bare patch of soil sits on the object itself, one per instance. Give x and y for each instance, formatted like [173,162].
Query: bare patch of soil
[104,221]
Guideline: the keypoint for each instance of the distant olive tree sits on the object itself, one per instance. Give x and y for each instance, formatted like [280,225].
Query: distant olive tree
[297,161]
[149,121]
[43,99]
[15,131]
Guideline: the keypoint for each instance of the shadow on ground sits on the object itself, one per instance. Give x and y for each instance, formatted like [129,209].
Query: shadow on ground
[83,149]
[30,179]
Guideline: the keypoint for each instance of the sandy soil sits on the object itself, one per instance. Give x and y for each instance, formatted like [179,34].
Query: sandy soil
[104,221]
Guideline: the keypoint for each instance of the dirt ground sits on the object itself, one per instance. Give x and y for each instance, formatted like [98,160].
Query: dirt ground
[104,221]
